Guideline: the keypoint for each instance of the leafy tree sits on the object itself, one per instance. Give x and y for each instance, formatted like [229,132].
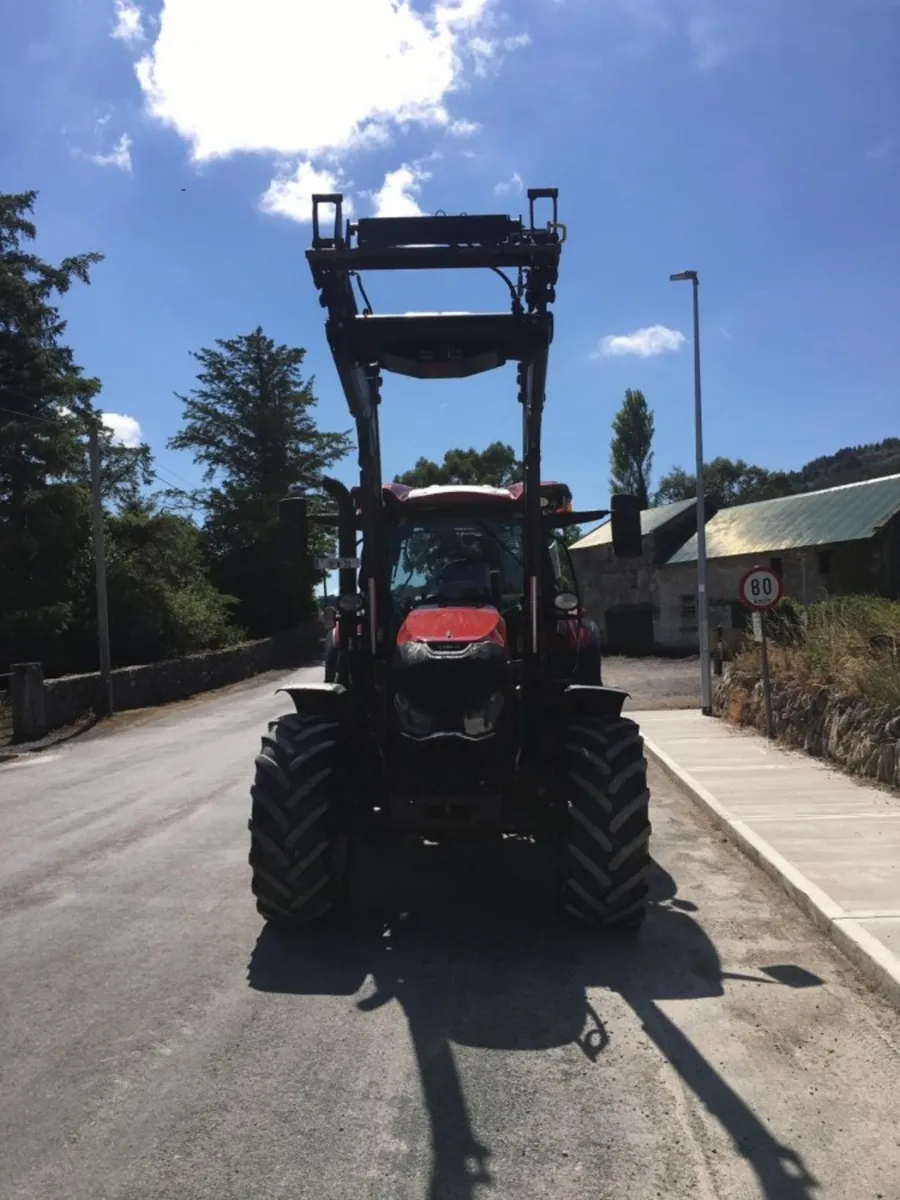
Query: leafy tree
[851,464]
[495,466]
[250,422]
[726,482]
[162,603]
[631,454]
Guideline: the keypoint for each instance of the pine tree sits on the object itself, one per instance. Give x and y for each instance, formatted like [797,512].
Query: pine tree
[249,421]
[631,455]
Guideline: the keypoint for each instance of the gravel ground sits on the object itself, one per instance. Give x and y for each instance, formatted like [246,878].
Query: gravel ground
[655,682]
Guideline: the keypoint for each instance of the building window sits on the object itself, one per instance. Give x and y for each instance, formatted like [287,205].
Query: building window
[824,562]
[777,565]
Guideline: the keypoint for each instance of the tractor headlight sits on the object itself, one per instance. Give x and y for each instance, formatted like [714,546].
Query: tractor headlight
[484,720]
[413,720]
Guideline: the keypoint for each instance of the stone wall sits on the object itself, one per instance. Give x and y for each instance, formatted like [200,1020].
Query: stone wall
[73,697]
[843,729]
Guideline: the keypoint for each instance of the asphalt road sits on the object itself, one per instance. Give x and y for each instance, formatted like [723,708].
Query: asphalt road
[453,1043]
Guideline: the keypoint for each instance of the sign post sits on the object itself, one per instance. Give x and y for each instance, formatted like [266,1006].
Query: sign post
[759,590]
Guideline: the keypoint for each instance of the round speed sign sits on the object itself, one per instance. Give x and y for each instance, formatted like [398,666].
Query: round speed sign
[760,588]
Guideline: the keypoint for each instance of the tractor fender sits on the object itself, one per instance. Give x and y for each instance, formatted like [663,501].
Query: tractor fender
[319,699]
[594,700]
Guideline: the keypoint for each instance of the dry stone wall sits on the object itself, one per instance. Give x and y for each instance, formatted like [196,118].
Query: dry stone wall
[844,729]
[73,697]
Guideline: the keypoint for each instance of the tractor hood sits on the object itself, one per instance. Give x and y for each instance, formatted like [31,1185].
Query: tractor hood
[450,672]
[453,627]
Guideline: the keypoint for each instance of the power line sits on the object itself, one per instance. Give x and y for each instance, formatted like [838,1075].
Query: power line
[51,421]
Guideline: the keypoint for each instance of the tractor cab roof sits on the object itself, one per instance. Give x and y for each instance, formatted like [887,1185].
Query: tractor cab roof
[555,497]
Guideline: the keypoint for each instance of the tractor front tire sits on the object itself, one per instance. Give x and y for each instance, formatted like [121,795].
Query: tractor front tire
[605,851]
[299,826]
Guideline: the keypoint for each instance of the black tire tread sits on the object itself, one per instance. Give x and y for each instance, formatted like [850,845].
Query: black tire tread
[605,855]
[295,821]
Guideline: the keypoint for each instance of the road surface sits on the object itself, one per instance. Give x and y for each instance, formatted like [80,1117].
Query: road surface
[455,1043]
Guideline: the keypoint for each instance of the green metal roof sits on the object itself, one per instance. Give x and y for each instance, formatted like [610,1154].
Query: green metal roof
[850,513]
[651,520]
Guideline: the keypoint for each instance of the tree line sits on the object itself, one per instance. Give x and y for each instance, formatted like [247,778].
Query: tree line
[729,481]
[187,569]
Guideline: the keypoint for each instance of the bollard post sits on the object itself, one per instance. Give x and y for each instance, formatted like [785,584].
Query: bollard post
[766,681]
[719,651]
[29,716]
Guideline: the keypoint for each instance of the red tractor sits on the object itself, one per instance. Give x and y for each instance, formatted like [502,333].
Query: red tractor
[464,692]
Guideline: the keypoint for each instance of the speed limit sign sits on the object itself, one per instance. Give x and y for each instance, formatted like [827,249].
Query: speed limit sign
[760,588]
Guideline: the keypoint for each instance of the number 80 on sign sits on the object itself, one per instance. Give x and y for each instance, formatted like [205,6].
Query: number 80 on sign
[760,588]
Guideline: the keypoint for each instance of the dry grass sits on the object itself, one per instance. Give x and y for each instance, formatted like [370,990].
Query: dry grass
[851,645]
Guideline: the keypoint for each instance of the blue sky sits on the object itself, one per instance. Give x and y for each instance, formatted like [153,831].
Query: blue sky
[756,141]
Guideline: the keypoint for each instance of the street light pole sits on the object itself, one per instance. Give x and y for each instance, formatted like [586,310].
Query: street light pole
[702,573]
[106,689]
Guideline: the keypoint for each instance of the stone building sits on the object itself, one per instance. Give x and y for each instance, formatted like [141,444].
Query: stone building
[841,541]
[622,595]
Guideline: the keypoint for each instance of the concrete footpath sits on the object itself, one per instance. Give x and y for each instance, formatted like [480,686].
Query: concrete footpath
[833,844]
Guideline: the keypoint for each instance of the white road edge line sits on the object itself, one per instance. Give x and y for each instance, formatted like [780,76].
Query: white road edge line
[868,955]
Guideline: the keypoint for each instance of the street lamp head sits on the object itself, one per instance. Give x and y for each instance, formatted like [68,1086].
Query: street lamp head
[682,276]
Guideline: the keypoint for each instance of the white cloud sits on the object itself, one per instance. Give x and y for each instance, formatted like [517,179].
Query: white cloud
[119,156]
[290,193]
[233,76]
[643,343]
[397,195]
[129,26]
[463,128]
[125,430]
[517,41]
[513,184]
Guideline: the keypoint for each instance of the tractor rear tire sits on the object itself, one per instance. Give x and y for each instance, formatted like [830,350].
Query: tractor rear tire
[605,851]
[299,827]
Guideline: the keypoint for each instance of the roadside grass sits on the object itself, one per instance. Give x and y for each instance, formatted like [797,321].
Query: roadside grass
[850,645]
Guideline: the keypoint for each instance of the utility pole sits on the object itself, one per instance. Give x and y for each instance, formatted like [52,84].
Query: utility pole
[106,688]
[702,594]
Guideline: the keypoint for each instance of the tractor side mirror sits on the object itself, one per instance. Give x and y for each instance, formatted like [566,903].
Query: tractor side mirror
[626,526]
[293,527]
[566,602]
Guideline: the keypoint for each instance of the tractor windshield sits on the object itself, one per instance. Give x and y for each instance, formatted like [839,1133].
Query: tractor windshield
[453,559]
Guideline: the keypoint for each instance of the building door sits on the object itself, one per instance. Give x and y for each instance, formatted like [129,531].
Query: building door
[740,617]
[629,630]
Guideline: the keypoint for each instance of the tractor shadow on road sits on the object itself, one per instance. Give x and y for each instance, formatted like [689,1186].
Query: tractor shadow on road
[465,940]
